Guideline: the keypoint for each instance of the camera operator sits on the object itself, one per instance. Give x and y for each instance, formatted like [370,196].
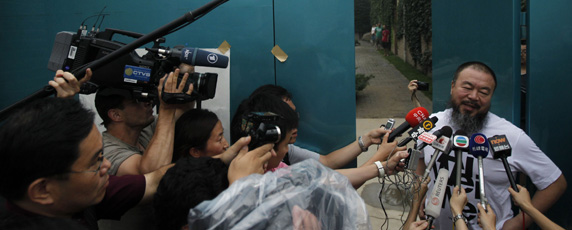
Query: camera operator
[135,142]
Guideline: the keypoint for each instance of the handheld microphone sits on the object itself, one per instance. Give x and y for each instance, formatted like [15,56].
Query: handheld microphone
[418,130]
[501,149]
[460,145]
[413,118]
[442,144]
[433,209]
[479,148]
[437,134]
[194,56]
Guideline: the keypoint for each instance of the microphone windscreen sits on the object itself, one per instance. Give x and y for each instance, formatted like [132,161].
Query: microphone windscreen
[198,57]
[446,131]
[460,140]
[478,145]
[500,146]
[436,199]
[416,116]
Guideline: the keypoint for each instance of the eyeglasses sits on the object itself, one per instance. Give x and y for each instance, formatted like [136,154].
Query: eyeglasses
[99,159]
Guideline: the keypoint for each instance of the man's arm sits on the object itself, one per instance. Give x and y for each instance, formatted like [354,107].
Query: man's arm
[542,200]
[343,156]
[358,176]
[152,182]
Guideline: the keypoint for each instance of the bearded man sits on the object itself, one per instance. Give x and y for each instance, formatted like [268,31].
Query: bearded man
[471,91]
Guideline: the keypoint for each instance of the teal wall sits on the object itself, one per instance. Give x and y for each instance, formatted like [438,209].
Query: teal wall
[477,31]
[549,81]
[317,36]
[488,31]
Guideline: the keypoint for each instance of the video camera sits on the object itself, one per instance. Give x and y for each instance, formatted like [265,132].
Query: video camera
[137,71]
[260,126]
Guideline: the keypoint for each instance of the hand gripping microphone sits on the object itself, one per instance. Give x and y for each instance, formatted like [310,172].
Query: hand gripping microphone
[460,145]
[195,56]
[433,209]
[501,149]
[442,144]
[413,118]
[479,148]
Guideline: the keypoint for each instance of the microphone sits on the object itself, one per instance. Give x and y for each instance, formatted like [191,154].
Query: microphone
[501,149]
[413,118]
[437,134]
[418,130]
[460,145]
[479,148]
[433,209]
[194,56]
[443,144]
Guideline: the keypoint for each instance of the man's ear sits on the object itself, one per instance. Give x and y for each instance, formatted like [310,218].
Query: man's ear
[115,114]
[194,152]
[452,85]
[39,191]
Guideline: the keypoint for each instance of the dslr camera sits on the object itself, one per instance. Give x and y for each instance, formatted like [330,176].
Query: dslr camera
[261,127]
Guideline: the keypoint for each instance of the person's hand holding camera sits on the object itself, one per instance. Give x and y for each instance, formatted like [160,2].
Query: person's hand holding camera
[67,85]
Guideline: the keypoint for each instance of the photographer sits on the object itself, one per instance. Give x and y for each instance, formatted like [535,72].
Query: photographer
[287,124]
[413,86]
[335,159]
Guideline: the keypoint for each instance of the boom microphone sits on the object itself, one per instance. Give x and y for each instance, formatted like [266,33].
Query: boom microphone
[501,149]
[195,56]
[413,118]
[479,148]
[443,144]
[433,209]
[460,145]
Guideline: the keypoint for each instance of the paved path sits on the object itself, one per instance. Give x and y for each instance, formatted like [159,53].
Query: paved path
[387,95]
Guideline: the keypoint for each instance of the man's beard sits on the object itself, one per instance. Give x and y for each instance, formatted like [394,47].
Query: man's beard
[466,122]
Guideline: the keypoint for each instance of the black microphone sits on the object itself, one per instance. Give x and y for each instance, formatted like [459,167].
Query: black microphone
[418,130]
[501,149]
[195,56]
[460,145]
[479,148]
[413,118]
[433,209]
[443,144]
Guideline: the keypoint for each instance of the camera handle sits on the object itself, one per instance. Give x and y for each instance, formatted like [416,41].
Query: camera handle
[174,25]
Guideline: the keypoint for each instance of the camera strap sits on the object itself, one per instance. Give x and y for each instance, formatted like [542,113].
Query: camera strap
[175,98]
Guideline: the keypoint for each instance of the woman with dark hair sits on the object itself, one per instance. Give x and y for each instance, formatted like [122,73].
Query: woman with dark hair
[199,133]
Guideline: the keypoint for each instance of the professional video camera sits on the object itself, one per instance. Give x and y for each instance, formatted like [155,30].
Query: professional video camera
[137,71]
[261,127]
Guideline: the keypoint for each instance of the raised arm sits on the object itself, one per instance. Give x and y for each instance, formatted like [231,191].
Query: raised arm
[522,199]
[358,176]
[542,201]
[159,151]
[343,156]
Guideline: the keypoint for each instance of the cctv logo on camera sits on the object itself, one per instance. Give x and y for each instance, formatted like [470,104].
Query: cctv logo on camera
[132,74]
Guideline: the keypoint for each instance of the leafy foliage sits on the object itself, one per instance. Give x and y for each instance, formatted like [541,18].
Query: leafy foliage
[362,81]
[361,16]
